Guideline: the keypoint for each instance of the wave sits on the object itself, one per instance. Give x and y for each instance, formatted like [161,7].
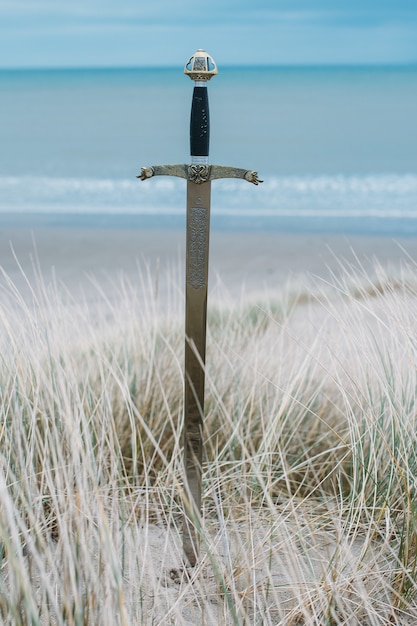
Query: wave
[377,195]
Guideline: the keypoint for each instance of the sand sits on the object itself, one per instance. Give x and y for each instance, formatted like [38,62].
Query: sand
[249,262]
[77,259]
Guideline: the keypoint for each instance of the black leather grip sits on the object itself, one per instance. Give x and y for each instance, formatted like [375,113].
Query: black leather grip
[200,123]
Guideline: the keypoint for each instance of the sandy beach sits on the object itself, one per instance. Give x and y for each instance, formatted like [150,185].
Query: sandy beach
[248,262]
[310,403]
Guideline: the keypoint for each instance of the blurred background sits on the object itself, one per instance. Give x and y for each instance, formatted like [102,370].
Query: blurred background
[319,97]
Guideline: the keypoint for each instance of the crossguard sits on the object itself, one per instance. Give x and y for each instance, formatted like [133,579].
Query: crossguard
[199,173]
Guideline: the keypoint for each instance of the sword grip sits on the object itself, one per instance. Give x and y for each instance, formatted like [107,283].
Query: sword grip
[199,123]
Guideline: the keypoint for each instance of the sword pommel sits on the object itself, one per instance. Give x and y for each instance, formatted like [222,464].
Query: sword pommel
[200,66]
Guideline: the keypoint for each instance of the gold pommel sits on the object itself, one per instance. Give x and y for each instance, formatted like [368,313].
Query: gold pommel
[201,66]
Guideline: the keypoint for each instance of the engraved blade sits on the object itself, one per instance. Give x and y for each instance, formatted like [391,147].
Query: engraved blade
[197,257]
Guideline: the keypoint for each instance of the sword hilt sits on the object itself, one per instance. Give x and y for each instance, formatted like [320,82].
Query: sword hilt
[199,173]
[200,124]
[200,68]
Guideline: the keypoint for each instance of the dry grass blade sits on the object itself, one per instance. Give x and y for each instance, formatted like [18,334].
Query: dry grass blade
[309,476]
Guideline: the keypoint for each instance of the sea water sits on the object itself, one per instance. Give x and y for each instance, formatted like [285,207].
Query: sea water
[336,147]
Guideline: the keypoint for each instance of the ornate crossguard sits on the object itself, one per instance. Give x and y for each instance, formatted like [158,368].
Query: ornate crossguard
[200,68]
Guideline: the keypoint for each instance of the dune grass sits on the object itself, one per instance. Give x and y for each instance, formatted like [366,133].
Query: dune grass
[309,503]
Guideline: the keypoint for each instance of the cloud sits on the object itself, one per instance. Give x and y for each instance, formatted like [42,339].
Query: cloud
[135,32]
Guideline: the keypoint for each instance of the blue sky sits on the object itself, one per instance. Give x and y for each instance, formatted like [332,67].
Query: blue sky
[91,33]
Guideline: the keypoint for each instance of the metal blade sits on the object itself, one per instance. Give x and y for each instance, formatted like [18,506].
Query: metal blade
[197,256]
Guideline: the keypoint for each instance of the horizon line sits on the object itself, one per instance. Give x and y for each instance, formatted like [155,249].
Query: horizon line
[307,65]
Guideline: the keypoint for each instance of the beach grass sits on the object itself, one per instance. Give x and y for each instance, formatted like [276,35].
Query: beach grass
[309,478]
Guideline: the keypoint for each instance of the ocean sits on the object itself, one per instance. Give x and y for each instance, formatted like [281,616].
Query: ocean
[336,148]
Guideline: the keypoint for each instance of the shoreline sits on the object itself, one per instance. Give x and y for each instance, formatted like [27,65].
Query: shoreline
[325,225]
[253,262]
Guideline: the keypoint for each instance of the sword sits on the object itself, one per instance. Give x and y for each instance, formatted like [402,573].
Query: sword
[199,174]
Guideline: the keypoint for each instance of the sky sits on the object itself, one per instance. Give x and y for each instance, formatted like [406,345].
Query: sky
[132,33]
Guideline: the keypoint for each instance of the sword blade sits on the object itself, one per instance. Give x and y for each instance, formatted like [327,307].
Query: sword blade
[197,257]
